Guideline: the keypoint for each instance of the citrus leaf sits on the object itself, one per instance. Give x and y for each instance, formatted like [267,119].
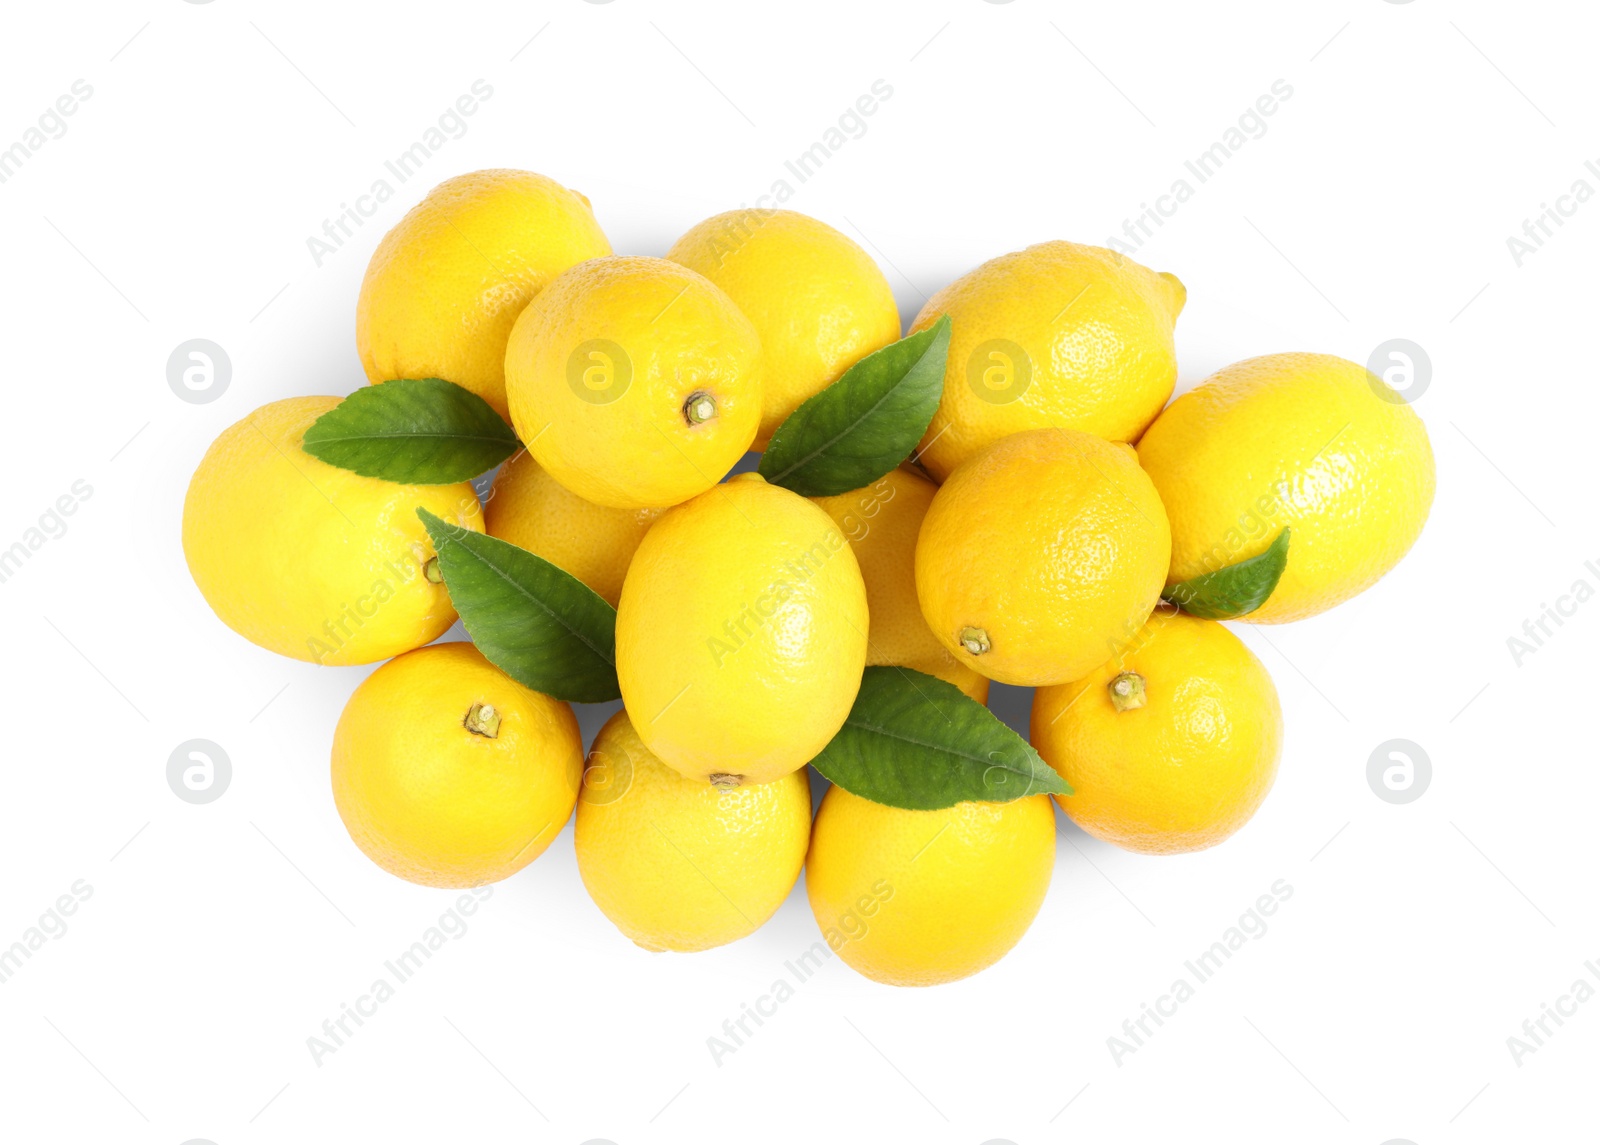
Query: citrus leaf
[913,740]
[417,431]
[538,624]
[866,423]
[1237,590]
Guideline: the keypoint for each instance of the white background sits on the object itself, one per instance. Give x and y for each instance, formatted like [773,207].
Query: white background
[1377,205]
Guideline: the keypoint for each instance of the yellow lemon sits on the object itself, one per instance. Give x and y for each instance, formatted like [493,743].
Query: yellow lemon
[1171,746]
[818,301]
[1305,441]
[1041,555]
[678,864]
[635,381]
[445,285]
[309,560]
[881,523]
[741,634]
[916,898]
[534,511]
[1055,335]
[449,773]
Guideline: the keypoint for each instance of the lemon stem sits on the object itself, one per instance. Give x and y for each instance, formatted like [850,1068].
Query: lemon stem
[725,781]
[482,720]
[430,571]
[699,407]
[1126,691]
[974,640]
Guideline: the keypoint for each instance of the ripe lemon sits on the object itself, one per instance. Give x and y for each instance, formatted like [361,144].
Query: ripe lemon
[818,301]
[741,634]
[635,382]
[445,285]
[1307,441]
[449,773]
[916,898]
[681,865]
[1055,335]
[1040,555]
[1172,745]
[881,523]
[534,511]
[309,560]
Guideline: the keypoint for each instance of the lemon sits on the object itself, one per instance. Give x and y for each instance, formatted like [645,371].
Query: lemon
[881,523]
[681,865]
[1055,335]
[1041,555]
[449,773]
[916,898]
[818,301]
[741,633]
[635,381]
[1305,441]
[1171,746]
[445,285]
[309,560]
[534,511]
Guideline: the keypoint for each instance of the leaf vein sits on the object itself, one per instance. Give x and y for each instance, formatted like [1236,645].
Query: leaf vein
[943,749]
[522,590]
[895,388]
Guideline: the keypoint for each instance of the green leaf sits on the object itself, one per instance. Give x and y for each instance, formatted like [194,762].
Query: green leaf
[417,431]
[866,423]
[913,740]
[1237,590]
[539,625]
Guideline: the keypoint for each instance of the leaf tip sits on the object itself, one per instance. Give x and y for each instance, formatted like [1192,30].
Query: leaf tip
[1237,590]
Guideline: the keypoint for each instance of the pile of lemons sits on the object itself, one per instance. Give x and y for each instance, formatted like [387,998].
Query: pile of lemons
[1004,494]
